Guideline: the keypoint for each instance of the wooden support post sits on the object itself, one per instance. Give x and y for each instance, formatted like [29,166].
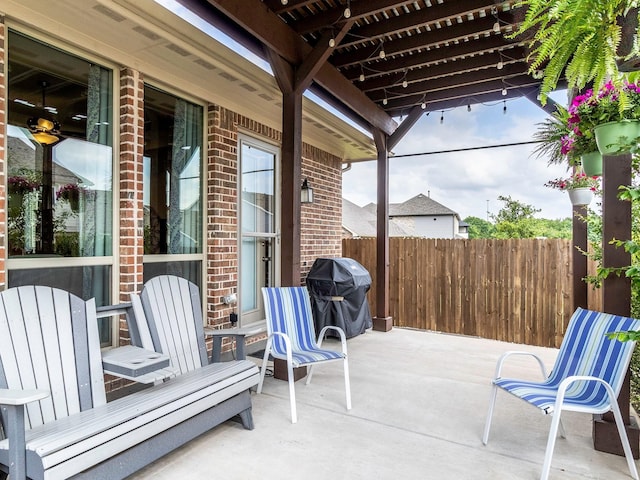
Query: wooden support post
[616,223]
[578,259]
[382,321]
[291,174]
[291,178]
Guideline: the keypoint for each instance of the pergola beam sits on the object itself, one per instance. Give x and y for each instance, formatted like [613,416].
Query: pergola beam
[449,103]
[422,40]
[414,115]
[256,18]
[515,72]
[418,19]
[424,59]
[359,9]
[464,93]
[319,55]
[466,65]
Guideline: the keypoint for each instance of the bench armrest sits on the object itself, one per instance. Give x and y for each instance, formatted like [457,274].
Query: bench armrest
[21,397]
[13,402]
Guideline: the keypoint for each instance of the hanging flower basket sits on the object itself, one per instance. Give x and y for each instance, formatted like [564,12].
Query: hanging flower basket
[70,193]
[615,138]
[592,164]
[580,196]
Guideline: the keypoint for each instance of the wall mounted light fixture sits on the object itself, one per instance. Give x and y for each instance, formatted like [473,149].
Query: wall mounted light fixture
[306,192]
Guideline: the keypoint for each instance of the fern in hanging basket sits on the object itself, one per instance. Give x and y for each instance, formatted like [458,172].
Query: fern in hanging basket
[577,39]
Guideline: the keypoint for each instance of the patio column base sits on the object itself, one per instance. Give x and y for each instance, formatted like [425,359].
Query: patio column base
[280,371]
[606,438]
[382,324]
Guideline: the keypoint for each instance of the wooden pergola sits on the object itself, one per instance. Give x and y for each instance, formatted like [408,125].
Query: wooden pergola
[375,61]
[378,61]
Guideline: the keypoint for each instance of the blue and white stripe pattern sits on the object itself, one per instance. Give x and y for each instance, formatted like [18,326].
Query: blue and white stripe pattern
[585,351]
[288,311]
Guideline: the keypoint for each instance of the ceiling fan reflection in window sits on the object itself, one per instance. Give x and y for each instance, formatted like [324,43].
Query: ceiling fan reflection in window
[45,130]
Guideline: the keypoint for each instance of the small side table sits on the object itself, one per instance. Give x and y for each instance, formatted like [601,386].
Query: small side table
[137,364]
[238,334]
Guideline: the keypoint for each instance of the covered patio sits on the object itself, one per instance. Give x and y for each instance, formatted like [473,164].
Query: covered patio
[419,405]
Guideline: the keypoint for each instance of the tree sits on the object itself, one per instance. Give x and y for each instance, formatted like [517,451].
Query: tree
[479,228]
[515,219]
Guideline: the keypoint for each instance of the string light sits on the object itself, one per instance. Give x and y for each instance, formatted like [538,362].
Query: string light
[500,65]
[382,54]
[284,2]
[504,108]
[384,100]
[496,26]
[469,107]
[441,117]
[405,83]
[332,42]
[361,74]
[423,105]
[504,91]
[347,11]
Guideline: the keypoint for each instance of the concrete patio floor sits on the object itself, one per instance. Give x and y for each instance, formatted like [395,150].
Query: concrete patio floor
[419,406]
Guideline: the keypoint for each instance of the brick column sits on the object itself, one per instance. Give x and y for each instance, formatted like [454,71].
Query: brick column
[221,199]
[131,183]
[3,154]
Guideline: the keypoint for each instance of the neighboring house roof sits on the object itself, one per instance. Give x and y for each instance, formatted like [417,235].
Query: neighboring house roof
[420,205]
[361,221]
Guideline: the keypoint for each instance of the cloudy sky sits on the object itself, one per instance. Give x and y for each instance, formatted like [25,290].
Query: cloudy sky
[464,181]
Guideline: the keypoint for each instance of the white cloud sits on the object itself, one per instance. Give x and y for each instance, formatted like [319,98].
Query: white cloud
[465,180]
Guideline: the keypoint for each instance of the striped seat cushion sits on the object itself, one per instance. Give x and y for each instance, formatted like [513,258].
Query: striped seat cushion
[289,312]
[585,350]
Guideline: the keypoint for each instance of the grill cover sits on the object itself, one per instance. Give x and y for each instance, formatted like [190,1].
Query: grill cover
[338,289]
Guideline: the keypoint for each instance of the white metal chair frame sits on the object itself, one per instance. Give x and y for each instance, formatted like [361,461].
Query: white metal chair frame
[315,346]
[563,386]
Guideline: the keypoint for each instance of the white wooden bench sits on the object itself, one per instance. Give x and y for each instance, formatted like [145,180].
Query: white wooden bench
[52,396]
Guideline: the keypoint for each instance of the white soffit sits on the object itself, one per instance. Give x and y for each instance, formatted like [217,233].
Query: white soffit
[171,52]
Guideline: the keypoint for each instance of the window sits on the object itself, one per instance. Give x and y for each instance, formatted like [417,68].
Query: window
[60,158]
[59,172]
[172,184]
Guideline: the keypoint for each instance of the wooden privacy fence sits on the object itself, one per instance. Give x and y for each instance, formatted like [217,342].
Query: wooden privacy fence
[515,290]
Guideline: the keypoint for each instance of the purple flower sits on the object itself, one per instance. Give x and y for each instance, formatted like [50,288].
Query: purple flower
[566,143]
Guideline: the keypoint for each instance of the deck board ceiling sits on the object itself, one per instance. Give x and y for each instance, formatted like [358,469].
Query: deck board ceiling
[402,55]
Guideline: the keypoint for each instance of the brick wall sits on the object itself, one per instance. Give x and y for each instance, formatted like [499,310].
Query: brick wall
[3,153]
[321,221]
[131,235]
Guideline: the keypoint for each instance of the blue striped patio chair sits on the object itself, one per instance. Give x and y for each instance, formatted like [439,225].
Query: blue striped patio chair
[586,377]
[291,338]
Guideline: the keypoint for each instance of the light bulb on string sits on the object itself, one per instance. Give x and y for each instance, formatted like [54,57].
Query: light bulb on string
[284,2]
[405,83]
[332,42]
[469,107]
[441,117]
[504,91]
[384,100]
[504,108]
[496,27]
[423,105]
[347,11]
[361,78]
[500,65]
[382,54]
